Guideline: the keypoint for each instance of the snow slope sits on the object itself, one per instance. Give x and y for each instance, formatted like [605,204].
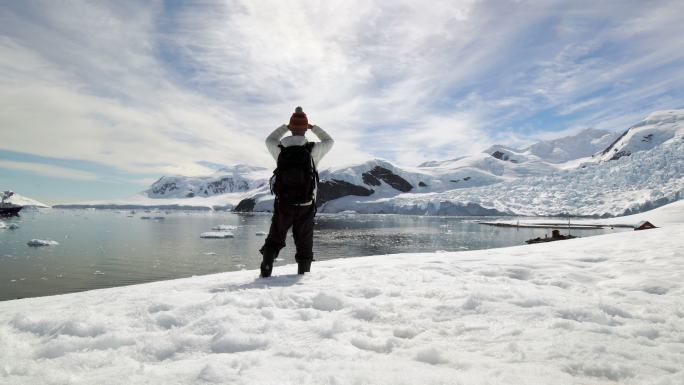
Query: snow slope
[599,310]
[556,152]
[657,128]
[25,201]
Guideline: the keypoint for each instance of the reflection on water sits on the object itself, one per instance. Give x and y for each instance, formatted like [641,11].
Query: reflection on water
[112,248]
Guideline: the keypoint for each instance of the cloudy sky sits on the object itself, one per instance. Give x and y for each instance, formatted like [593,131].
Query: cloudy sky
[98,99]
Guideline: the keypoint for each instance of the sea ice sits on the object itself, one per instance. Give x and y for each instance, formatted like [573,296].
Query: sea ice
[224,228]
[217,234]
[41,242]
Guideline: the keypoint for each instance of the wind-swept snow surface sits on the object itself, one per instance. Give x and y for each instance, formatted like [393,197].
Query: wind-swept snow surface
[599,310]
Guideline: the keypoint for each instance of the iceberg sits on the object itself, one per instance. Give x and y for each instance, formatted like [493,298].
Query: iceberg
[217,234]
[224,228]
[41,242]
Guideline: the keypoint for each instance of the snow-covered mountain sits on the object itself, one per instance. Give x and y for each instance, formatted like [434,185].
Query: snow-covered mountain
[500,180]
[21,200]
[642,181]
[657,128]
[235,179]
[559,153]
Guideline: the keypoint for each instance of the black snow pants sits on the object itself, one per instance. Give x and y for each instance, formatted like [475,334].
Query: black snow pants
[301,219]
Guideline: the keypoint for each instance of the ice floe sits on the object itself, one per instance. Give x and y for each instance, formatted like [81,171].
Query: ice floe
[41,242]
[224,228]
[217,234]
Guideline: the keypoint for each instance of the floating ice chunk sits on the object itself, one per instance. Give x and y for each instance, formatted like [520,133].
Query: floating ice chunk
[3,225]
[209,253]
[224,228]
[260,233]
[217,234]
[41,242]
[98,272]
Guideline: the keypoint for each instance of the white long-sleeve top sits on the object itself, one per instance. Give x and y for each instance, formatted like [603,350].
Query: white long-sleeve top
[317,153]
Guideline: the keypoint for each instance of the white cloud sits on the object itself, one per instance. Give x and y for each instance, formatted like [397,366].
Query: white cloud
[48,170]
[157,87]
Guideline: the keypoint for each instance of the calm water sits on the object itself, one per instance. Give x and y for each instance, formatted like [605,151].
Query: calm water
[105,248]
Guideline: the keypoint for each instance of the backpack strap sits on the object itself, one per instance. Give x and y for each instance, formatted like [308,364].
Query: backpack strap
[309,147]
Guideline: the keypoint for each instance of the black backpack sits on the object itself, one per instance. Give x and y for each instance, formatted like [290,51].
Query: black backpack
[295,178]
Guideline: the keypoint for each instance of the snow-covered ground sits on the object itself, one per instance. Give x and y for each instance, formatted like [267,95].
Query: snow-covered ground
[601,310]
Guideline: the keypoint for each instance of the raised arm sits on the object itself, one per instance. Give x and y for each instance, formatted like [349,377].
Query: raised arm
[273,140]
[321,148]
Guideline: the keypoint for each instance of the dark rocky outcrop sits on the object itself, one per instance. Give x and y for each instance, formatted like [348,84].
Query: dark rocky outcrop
[245,205]
[604,152]
[370,179]
[377,174]
[164,188]
[422,184]
[620,154]
[332,189]
[500,155]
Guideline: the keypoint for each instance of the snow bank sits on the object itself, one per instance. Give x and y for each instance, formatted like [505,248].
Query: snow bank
[598,310]
[41,242]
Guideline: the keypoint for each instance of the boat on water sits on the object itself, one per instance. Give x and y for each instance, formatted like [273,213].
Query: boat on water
[8,209]
[555,236]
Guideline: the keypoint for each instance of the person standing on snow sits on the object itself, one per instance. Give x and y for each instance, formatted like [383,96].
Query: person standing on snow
[294,184]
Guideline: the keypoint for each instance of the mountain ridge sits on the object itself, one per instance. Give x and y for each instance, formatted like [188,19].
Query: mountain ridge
[245,187]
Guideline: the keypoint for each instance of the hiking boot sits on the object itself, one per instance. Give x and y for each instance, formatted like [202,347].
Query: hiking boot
[266,269]
[270,253]
[303,267]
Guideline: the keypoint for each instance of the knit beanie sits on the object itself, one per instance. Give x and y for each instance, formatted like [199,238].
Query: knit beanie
[298,120]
